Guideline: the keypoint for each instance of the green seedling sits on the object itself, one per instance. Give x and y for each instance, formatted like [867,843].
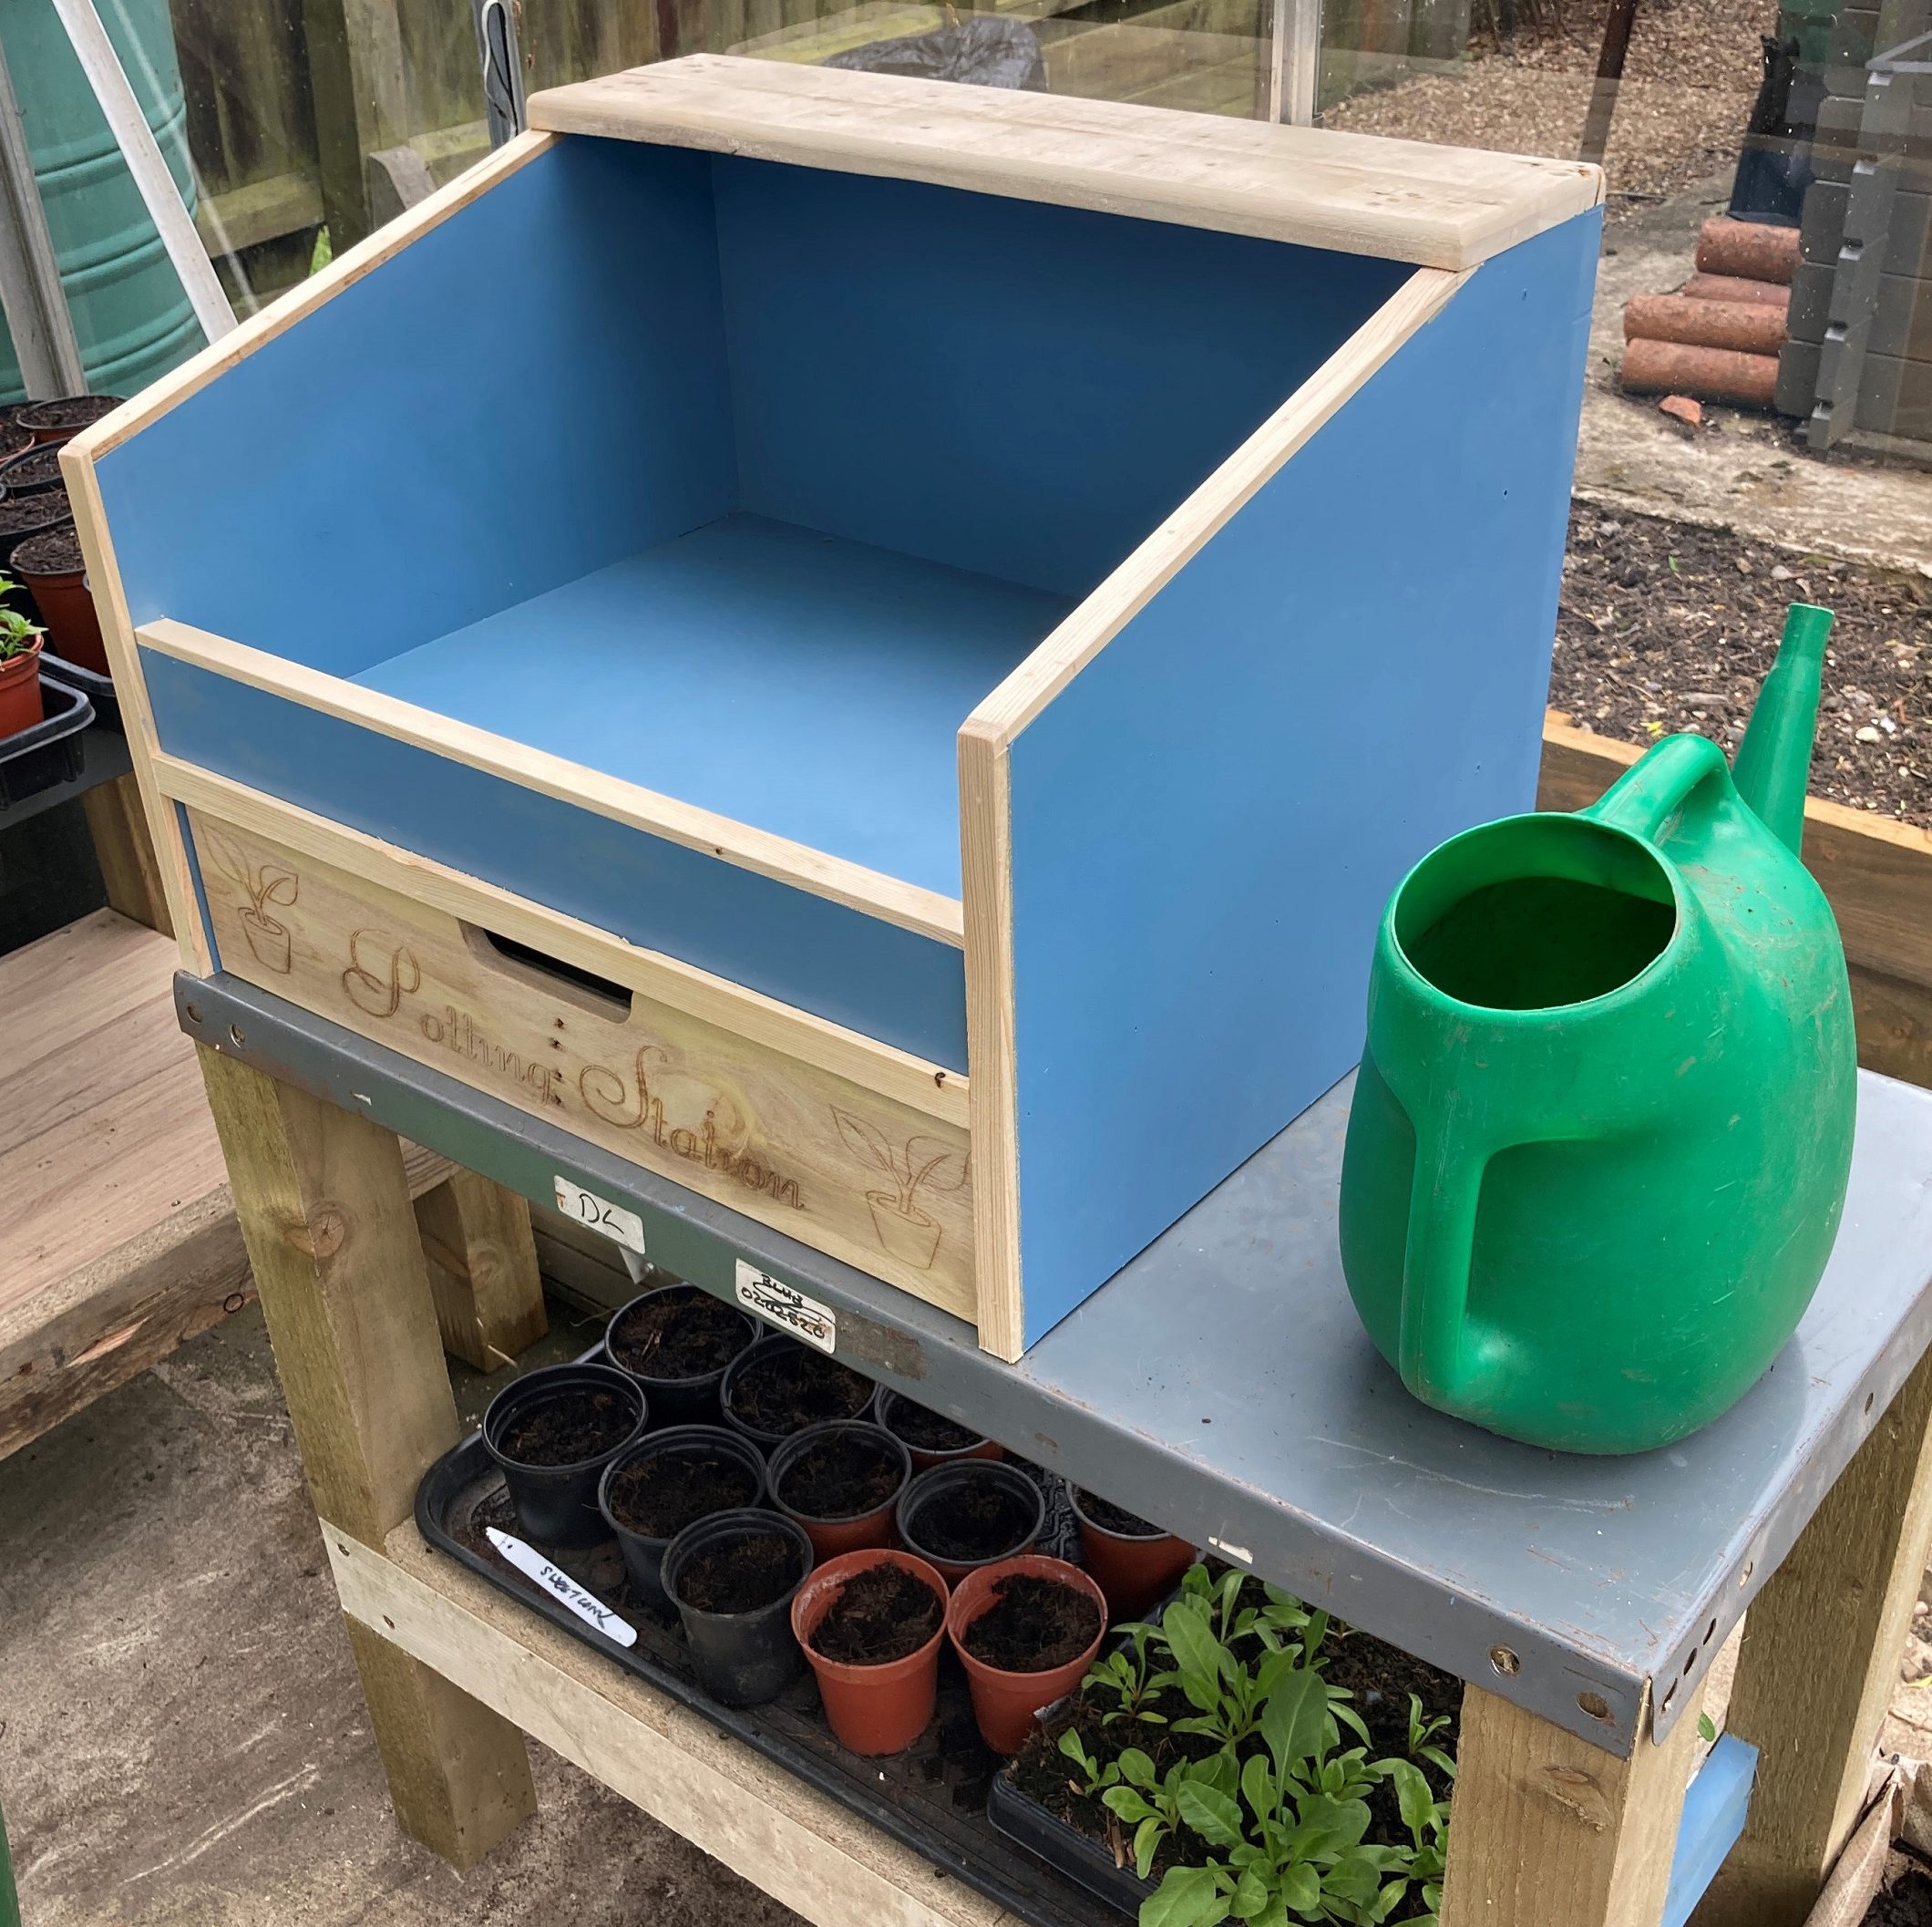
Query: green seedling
[1095,1778]
[1128,1676]
[16,634]
[1422,1737]
[1151,1802]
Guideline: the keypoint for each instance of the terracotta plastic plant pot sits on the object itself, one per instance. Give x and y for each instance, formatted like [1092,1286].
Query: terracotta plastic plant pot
[644,1553]
[692,1399]
[746,1657]
[871,1709]
[893,1410]
[20,703]
[833,1533]
[1005,1703]
[1009,1488]
[50,566]
[556,1504]
[773,1346]
[1135,1569]
[66,415]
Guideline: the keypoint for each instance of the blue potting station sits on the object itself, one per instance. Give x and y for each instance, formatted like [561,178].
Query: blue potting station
[836,682]
[953,615]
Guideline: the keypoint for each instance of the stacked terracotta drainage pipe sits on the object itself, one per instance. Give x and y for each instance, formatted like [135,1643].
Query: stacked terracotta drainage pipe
[1718,337]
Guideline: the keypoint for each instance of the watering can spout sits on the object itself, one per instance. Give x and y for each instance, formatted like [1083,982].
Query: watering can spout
[1774,760]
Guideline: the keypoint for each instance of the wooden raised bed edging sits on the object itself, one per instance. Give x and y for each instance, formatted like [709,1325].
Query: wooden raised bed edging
[1876,872]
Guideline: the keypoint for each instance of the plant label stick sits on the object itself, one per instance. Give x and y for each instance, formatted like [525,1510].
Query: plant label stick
[587,1606]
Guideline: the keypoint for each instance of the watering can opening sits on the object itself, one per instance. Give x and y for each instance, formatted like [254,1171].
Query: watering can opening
[1536,912]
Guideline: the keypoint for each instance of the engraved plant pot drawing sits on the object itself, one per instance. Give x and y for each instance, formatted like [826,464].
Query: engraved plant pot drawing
[268,938]
[907,1232]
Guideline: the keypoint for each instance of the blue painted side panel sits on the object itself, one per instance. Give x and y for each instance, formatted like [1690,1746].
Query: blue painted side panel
[873,977]
[810,687]
[529,391]
[1017,389]
[1207,822]
[1714,1812]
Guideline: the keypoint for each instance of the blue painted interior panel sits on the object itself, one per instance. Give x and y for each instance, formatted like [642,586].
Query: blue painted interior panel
[527,392]
[870,976]
[1208,821]
[528,473]
[1023,390]
[1714,1812]
[809,685]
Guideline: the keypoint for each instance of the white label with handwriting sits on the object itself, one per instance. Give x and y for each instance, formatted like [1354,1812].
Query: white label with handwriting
[786,1307]
[587,1606]
[600,1215]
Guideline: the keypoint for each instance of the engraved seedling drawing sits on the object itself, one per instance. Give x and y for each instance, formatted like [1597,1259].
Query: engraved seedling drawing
[906,1232]
[263,884]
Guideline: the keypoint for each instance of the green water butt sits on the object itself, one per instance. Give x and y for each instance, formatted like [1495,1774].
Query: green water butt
[132,318]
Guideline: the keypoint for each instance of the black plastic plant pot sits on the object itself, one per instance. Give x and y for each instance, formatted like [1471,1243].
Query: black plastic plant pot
[732,1578]
[556,1498]
[685,1322]
[993,1509]
[644,1553]
[813,1368]
[909,1420]
[859,1470]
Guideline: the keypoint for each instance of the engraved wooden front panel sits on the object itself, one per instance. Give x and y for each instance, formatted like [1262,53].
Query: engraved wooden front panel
[858,1175]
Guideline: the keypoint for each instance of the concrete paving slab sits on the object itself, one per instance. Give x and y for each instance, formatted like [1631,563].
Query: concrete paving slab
[181,1737]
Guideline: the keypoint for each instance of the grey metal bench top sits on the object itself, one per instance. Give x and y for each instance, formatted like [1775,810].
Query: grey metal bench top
[1223,1386]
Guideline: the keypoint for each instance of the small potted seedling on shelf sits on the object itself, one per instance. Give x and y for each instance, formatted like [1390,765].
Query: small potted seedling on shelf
[20,644]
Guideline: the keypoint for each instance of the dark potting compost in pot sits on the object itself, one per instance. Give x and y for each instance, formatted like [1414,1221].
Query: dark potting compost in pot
[37,471]
[882,1613]
[684,1333]
[932,1798]
[1111,1518]
[971,1521]
[45,511]
[1907,1902]
[1033,1625]
[843,1476]
[787,1390]
[57,553]
[67,414]
[659,1497]
[742,1575]
[928,1431]
[570,1427]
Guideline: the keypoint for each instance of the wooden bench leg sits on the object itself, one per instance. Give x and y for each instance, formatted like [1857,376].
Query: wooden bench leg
[1551,1831]
[326,1212]
[1819,1665]
[124,851]
[482,1270]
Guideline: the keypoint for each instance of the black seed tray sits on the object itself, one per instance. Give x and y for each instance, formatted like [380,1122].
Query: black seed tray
[50,752]
[99,689]
[1023,1820]
[932,1798]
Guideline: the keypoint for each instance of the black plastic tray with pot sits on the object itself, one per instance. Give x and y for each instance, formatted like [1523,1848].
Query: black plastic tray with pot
[50,752]
[1025,1822]
[932,1798]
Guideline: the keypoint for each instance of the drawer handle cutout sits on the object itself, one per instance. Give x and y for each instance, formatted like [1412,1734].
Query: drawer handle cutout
[528,964]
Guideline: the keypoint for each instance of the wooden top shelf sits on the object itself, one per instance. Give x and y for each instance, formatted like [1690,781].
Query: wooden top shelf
[1359,194]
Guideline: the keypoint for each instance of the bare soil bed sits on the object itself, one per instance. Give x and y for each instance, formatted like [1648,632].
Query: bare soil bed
[1664,626]
[1689,79]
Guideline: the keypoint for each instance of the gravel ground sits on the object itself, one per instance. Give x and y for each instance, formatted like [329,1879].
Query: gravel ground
[1689,79]
[1664,626]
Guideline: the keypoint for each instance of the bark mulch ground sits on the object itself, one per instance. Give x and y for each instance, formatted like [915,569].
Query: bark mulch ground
[1663,626]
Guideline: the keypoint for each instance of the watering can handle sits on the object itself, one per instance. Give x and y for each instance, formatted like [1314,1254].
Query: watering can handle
[1447,1183]
[1648,794]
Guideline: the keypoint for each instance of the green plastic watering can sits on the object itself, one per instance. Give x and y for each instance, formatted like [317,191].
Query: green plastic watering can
[1602,1129]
